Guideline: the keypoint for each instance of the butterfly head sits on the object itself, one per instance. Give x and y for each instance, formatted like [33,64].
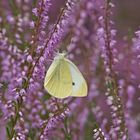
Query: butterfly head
[60,55]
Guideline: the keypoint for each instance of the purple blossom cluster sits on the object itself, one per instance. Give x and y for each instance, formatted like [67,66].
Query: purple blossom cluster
[32,32]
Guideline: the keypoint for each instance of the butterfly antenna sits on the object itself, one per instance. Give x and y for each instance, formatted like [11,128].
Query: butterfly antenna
[50,59]
[56,52]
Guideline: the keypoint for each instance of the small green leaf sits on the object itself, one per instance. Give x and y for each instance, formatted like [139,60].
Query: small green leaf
[32,133]
[8,132]
[14,7]
[12,122]
[1,113]
[110,84]
[46,97]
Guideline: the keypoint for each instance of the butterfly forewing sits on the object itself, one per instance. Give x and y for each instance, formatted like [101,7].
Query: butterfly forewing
[58,80]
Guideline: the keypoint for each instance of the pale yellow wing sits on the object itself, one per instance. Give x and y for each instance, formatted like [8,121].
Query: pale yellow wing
[79,83]
[58,81]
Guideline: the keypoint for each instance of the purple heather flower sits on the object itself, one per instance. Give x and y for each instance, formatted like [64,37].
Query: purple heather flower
[30,36]
[53,122]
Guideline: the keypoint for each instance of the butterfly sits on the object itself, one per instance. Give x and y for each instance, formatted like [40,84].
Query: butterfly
[64,79]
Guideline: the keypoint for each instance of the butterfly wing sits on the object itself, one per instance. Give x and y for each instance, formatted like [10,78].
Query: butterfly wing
[58,81]
[79,83]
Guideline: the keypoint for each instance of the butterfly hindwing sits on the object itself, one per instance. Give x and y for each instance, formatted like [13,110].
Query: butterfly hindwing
[79,83]
[58,81]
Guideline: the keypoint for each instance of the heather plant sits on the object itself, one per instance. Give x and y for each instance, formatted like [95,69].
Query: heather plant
[32,32]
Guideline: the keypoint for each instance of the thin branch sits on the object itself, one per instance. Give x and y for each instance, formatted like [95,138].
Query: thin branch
[108,35]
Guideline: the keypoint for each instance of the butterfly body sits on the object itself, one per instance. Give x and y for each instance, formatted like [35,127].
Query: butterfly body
[63,79]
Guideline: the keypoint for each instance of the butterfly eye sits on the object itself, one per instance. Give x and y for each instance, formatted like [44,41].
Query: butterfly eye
[73,83]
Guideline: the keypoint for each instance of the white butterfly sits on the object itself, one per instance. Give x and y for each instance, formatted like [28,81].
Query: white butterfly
[64,79]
